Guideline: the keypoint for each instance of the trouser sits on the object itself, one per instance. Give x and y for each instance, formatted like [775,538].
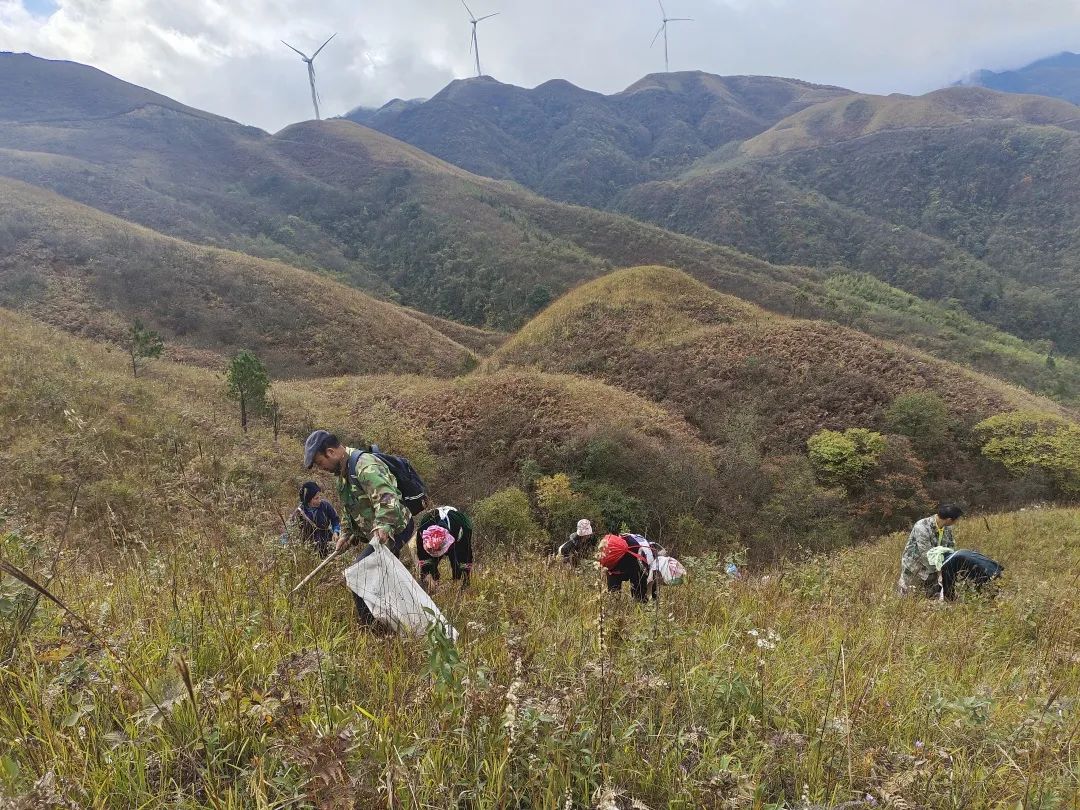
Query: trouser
[629,569]
[398,542]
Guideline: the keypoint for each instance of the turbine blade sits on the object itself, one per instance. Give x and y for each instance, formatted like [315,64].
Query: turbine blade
[324,44]
[659,31]
[291,48]
[472,41]
[489,16]
[471,15]
[663,11]
[680,19]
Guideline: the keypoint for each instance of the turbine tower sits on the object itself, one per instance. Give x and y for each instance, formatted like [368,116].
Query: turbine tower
[474,46]
[310,60]
[665,19]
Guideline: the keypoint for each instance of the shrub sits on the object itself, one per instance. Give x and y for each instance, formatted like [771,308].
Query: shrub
[922,417]
[506,518]
[1027,441]
[560,506]
[615,507]
[845,459]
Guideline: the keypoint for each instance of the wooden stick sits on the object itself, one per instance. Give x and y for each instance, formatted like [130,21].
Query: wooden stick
[333,555]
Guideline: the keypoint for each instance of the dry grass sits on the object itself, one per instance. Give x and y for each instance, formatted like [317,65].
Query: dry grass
[171,558]
[93,274]
[657,332]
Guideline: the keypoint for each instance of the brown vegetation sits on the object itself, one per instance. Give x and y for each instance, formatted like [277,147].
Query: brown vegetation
[93,275]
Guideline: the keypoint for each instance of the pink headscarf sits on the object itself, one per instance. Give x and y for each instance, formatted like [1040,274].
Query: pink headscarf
[437,540]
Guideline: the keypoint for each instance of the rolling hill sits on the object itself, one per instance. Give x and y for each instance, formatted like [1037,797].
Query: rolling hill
[372,212]
[721,364]
[1057,76]
[93,274]
[955,195]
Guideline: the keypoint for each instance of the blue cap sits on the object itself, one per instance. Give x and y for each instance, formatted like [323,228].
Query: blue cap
[313,445]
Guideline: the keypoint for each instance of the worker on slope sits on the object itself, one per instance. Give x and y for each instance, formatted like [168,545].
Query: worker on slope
[582,543]
[917,571]
[629,558]
[315,520]
[373,504]
[444,532]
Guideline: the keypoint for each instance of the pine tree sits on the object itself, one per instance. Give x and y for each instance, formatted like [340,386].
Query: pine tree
[248,384]
[143,345]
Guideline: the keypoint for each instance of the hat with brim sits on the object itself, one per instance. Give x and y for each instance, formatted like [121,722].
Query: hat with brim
[313,445]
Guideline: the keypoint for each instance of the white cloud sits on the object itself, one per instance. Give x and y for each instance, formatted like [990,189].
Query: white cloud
[225,55]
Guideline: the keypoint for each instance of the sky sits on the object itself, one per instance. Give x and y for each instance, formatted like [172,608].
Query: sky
[225,56]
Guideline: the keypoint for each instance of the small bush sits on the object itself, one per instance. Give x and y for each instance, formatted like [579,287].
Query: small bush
[921,416]
[505,518]
[845,459]
[1027,441]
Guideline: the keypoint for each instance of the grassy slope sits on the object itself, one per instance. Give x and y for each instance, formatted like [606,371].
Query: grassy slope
[481,427]
[131,440]
[658,332]
[967,706]
[93,274]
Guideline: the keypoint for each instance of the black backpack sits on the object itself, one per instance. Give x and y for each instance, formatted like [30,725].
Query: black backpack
[410,484]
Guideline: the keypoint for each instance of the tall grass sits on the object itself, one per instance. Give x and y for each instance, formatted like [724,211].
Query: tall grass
[811,684]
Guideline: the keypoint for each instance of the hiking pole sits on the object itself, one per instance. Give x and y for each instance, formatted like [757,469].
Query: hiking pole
[332,556]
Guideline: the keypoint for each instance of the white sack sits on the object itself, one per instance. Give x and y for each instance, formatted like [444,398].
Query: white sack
[392,595]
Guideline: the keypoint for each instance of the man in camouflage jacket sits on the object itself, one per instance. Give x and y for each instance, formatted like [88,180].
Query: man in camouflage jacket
[916,570]
[370,499]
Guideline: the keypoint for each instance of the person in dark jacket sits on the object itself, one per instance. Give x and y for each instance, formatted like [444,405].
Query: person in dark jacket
[444,532]
[970,567]
[315,520]
[629,558]
[582,543]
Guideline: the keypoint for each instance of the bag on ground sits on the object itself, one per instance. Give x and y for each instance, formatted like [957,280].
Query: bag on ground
[393,596]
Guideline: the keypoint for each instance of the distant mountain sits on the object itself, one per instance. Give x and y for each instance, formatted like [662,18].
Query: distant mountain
[964,194]
[367,210]
[584,147]
[1057,76]
[365,115]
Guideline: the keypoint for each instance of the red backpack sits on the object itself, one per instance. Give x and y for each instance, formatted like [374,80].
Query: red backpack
[615,548]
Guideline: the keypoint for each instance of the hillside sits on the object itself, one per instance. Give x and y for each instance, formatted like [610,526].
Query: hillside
[583,147]
[858,116]
[1057,76]
[961,194]
[385,217]
[720,363]
[808,679]
[93,274]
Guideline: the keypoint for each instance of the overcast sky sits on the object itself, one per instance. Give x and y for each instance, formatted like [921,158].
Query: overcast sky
[225,56]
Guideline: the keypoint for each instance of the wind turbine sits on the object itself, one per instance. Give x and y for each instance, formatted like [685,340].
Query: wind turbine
[665,19]
[311,71]
[474,46]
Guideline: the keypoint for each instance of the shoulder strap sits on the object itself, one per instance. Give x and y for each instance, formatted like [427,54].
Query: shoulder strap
[354,460]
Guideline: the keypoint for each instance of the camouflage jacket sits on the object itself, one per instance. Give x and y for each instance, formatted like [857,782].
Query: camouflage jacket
[914,567]
[371,499]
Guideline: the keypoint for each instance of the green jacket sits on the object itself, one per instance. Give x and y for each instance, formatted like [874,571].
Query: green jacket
[371,499]
[914,567]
